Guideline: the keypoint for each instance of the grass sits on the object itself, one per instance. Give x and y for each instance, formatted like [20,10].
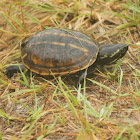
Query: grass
[106,107]
[133,14]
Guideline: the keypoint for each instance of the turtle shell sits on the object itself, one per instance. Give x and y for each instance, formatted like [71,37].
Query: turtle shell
[58,51]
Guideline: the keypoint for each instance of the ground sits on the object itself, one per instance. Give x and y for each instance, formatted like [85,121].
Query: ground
[107,107]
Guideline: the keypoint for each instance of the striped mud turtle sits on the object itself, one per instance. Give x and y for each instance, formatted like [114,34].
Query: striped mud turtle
[59,52]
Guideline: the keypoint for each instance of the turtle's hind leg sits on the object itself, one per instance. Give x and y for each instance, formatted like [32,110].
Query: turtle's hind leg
[14,69]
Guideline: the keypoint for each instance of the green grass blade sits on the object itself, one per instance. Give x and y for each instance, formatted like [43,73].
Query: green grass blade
[33,18]
[125,25]
[20,92]
[4,16]
[107,88]
[23,104]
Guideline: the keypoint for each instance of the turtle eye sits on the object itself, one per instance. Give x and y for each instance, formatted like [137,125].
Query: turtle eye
[124,49]
[23,44]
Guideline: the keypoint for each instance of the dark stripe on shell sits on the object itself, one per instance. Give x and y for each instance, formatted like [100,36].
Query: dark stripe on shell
[56,33]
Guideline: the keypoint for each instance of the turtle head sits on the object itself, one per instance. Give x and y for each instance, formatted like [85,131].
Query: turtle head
[109,54]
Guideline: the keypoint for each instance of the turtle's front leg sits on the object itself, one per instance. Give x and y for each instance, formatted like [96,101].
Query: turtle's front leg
[86,72]
[82,77]
[14,69]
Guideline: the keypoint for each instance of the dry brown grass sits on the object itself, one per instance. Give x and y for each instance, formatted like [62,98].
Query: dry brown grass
[37,109]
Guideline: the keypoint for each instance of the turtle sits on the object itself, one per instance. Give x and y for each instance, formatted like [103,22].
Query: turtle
[58,51]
